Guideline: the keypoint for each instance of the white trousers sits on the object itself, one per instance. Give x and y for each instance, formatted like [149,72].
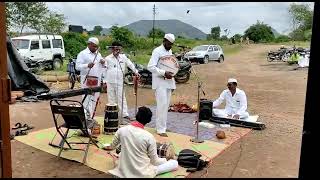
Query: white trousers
[167,167]
[114,91]
[90,102]
[223,113]
[163,96]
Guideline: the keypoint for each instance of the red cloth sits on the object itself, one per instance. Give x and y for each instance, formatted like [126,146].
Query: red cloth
[182,108]
[137,124]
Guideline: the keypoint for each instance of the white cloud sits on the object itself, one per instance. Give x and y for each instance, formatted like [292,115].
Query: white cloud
[236,16]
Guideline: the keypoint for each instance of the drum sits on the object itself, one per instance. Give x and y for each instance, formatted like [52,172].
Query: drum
[111,111]
[111,121]
[92,81]
[110,126]
[169,63]
[165,150]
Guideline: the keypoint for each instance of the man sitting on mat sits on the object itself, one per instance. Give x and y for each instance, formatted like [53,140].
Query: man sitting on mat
[236,102]
[138,157]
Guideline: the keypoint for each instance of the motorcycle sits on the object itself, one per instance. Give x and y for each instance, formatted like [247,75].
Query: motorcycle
[74,75]
[182,76]
[145,76]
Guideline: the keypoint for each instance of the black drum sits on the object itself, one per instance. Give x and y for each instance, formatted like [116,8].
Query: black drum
[111,122]
[110,126]
[111,111]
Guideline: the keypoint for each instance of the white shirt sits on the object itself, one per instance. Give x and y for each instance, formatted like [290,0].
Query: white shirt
[114,73]
[138,157]
[158,79]
[84,58]
[236,104]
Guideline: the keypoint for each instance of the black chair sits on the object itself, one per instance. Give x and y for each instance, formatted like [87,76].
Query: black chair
[74,117]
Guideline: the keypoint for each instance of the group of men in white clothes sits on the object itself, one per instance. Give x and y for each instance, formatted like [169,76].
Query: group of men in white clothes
[138,157]
[109,70]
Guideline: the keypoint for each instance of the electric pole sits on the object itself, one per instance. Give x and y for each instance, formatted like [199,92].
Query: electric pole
[154,16]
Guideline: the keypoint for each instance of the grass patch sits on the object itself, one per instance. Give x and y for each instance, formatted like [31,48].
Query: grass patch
[304,44]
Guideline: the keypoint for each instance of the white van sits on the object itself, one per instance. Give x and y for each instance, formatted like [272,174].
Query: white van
[46,48]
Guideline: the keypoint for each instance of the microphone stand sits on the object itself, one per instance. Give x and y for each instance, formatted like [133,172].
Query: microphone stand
[196,138]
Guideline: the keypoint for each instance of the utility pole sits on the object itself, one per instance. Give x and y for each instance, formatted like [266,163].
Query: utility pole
[154,17]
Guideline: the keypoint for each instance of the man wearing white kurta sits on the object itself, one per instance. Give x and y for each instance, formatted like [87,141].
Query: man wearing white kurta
[84,64]
[116,66]
[236,102]
[163,83]
[138,157]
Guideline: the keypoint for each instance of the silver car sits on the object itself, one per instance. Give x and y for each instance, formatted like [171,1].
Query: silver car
[204,53]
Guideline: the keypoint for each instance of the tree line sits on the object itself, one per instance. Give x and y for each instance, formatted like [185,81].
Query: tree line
[301,17]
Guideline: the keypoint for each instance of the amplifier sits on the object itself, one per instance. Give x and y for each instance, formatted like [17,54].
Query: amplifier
[205,111]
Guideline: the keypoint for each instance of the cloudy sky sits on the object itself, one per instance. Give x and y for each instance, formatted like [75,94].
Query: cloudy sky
[236,16]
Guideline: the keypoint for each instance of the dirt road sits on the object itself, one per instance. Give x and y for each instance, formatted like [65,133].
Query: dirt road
[275,92]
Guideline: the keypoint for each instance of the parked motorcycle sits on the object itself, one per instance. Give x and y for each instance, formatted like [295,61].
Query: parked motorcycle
[145,76]
[182,76]
[283,54]
[74,75]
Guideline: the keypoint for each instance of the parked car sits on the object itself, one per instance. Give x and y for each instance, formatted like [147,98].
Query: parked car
[204,53]
[47,49]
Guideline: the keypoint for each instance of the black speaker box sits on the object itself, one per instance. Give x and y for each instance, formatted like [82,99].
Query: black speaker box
[205,112]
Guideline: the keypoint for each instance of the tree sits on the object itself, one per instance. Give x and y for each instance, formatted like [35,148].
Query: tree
[52,23]
[97,30]
[9,14]
[158,33]
[215,33]
[123,35]
[237,37]
[27,14]
[301,16]
[224,38]
[282,38]
[260,32]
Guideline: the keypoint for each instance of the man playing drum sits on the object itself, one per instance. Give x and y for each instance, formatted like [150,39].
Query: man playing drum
[163,82]
[138,157]
[90,64]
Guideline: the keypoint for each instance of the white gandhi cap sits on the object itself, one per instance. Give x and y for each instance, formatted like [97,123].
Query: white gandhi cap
[169,37]
[94,40]
[231,80]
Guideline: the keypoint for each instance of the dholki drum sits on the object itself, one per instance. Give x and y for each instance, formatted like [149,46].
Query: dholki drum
[164,150]
[169,63]
[111,121]
[92,81]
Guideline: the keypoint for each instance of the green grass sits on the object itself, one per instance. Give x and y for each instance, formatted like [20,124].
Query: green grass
[304,44]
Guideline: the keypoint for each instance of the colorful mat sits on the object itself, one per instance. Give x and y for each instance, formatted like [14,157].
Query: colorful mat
[101,160]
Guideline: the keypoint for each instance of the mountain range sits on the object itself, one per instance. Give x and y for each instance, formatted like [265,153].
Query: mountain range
[177,27]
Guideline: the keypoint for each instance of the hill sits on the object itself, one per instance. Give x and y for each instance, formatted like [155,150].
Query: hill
[178,28]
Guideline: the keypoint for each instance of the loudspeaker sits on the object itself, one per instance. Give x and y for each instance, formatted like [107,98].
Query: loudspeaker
[205,111]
